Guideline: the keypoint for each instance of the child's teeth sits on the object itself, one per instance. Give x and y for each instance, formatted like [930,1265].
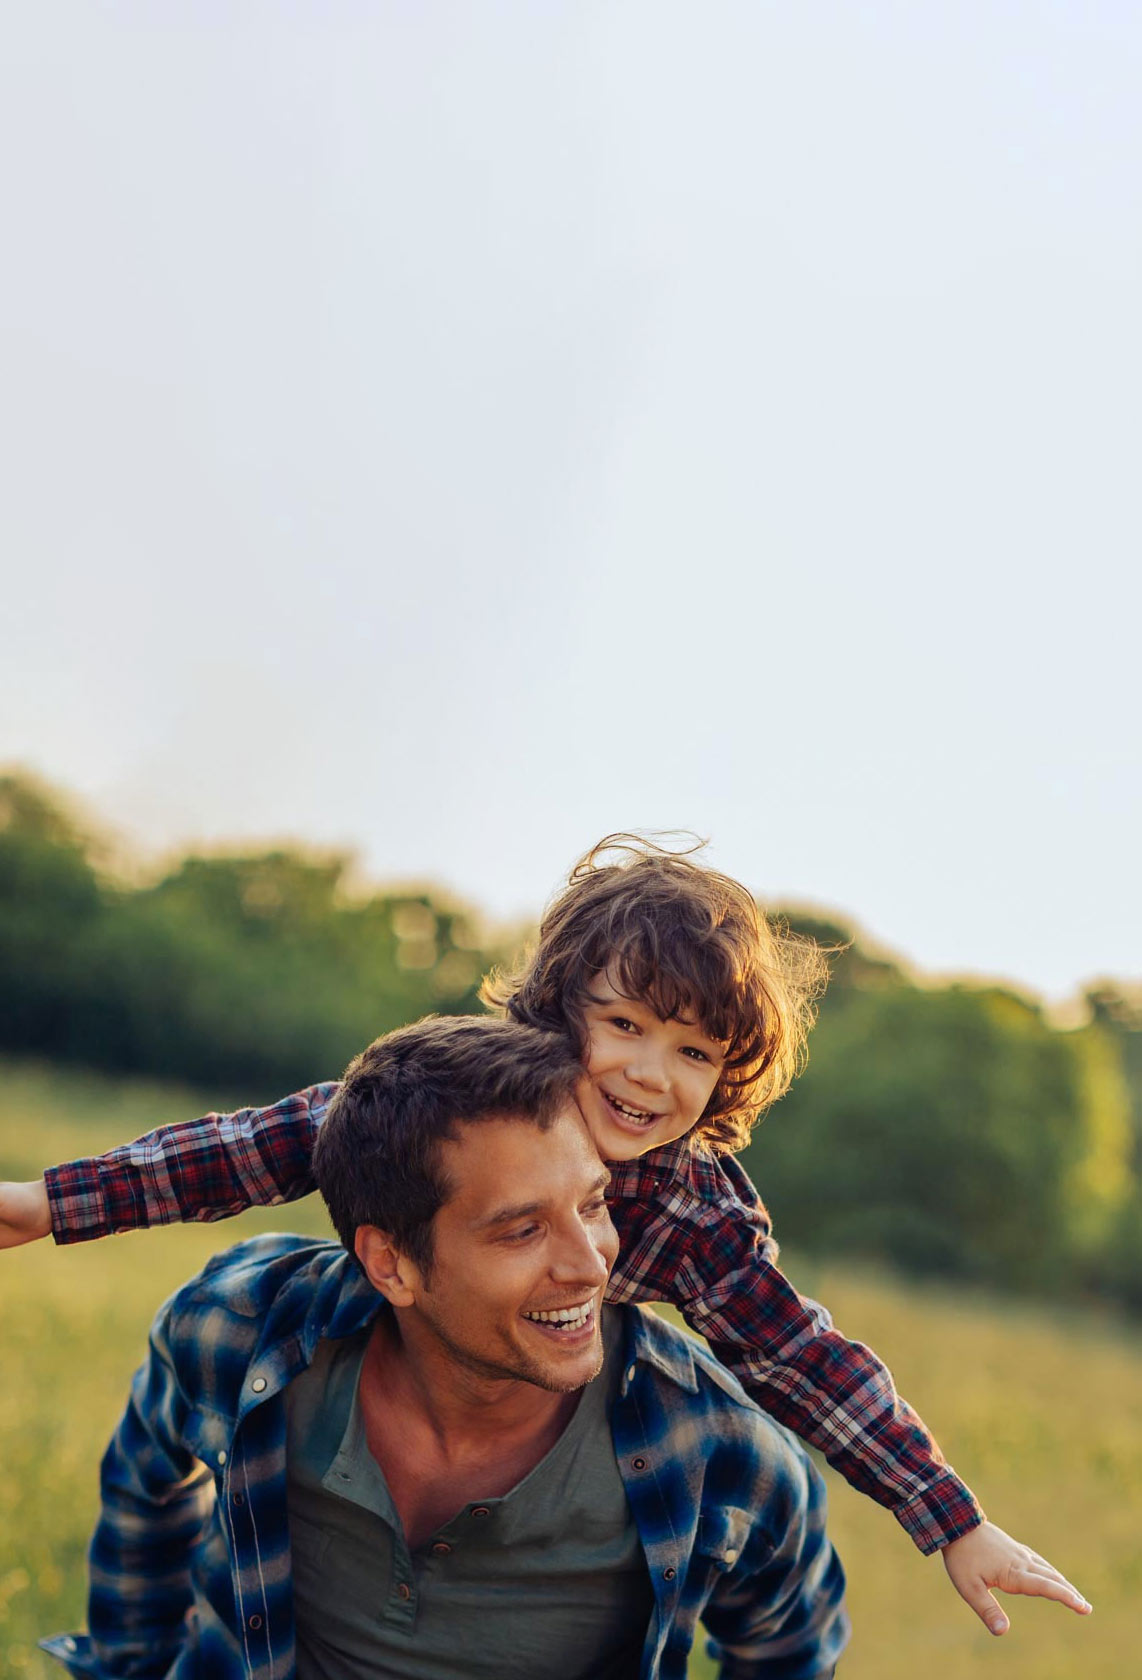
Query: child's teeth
[631,1113]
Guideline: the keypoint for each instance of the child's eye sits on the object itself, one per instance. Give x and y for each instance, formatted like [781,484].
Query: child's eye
[694,1053]
[621,1022]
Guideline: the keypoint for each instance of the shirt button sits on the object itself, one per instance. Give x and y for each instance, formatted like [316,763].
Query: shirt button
[255,1622]
[404,1591]
[731,1555]
[630,1373]
[669,1574]
[258,1385]
[638,1463]
[480,1511]
[239,1499]
[222,1456]
[442,1548]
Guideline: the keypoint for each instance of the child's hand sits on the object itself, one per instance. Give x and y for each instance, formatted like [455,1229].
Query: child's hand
[24,1213]
[988,1558]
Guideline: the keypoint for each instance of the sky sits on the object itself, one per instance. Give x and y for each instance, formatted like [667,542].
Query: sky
[456,432]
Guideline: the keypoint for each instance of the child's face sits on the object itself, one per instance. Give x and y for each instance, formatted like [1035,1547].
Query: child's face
[648,1080]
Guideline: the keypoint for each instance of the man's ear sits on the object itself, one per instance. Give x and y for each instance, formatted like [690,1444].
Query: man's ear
[389,1271]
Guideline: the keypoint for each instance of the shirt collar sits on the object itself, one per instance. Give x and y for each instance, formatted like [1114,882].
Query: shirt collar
[650,1342]
[302,1296]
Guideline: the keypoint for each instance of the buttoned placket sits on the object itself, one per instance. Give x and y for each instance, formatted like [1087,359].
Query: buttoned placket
[636,1464]
[253,1619]
[236,1498]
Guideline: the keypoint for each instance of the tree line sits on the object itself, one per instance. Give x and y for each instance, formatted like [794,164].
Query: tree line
[949,1129]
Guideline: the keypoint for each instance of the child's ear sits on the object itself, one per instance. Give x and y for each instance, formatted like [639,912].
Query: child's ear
[389,1271]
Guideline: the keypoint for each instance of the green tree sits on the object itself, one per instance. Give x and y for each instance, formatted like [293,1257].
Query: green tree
[943,1130]
[49,903]
[256,971]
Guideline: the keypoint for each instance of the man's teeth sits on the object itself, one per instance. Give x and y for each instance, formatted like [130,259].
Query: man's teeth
[566,1315]
[631,1113]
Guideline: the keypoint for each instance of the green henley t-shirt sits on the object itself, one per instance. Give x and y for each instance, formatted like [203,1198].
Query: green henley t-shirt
[549,1579]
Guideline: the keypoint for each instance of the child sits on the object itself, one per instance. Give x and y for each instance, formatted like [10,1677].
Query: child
[690,1012]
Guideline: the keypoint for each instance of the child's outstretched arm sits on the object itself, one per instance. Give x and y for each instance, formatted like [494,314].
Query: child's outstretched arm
[202,1169]
[693,1232]
[24,1213]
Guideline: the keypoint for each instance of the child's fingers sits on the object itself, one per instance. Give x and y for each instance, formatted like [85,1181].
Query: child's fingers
[1039,1580]
[1033,1580]
[986,1558]
[985,1606]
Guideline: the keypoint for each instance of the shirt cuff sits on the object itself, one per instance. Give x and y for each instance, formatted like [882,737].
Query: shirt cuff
[943,1512]
[86,1202]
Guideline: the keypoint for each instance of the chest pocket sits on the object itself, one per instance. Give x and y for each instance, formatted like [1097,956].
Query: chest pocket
[207,1434]
[723,1533]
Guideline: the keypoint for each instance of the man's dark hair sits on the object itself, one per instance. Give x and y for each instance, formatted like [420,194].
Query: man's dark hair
[377,1158]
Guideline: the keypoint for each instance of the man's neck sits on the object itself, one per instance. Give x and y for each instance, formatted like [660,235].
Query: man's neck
[445,1435]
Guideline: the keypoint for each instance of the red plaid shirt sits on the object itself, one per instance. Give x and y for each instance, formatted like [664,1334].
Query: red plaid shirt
[692,1230]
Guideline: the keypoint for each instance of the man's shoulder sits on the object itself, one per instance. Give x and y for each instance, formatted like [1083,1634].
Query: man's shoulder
[266,1292]
[243,1279]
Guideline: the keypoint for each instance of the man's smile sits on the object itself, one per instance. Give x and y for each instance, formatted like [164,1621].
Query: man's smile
[564,1323]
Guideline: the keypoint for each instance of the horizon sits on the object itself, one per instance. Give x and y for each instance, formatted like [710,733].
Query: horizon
[134,862]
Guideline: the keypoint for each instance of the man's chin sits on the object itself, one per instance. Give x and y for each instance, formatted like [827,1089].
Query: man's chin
[556,1382]
[560,1373]
[560,1376]
[556,1376]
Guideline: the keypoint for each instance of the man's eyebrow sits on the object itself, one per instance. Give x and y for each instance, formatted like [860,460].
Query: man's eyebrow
[526,1210]
[505,1215]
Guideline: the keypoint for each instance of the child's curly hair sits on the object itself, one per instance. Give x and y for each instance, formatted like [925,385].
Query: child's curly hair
[688,942]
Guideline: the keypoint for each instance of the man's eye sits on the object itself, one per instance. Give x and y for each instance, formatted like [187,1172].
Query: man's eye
[594,1209]
[522,1234]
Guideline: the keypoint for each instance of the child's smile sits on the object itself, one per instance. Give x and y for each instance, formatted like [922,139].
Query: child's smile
[648,1080]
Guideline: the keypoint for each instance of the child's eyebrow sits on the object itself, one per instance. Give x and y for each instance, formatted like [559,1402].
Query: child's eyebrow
[617,999]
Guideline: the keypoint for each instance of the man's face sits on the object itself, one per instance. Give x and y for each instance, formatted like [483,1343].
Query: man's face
[522,1250]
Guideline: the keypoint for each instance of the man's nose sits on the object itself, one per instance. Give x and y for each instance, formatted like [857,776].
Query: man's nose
[587,1255]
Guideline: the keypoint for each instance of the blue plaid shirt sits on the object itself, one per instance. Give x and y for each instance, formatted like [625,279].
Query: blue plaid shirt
[190,1562]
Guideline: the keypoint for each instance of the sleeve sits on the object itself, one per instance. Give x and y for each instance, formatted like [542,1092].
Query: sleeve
[777,1611]
[201,1169]
[157,1500]
[705,1245]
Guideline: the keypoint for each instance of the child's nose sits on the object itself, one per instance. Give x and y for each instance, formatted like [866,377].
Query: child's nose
[647,1069]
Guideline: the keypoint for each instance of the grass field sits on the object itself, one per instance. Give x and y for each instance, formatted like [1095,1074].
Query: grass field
[1042,1415]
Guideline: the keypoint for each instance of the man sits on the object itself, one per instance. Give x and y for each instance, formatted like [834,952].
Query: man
[448,1459]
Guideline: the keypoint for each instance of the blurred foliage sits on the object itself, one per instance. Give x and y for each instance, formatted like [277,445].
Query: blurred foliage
[260,971]
[949,1129]
[955,1130]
